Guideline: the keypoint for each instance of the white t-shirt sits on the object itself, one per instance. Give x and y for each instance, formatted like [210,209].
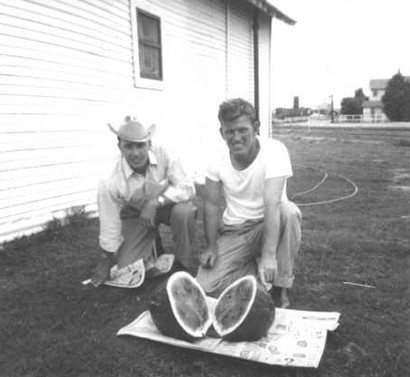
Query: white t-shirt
[243,189]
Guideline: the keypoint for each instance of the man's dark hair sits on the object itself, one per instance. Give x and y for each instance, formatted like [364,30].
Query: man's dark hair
[234,108]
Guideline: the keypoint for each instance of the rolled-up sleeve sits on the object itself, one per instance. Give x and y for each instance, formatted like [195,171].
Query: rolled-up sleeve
[212,172]
[181,185]
[109,207]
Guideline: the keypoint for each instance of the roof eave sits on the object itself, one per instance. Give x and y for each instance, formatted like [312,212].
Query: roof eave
[272,11]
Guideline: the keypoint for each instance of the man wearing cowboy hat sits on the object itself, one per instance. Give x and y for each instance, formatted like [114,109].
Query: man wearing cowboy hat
[146,188]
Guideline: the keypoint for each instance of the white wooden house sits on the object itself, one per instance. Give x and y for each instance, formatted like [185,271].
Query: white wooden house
[67,67]
[373,108]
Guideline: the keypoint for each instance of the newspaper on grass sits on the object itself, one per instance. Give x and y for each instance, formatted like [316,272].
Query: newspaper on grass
[296,338]
[133,275]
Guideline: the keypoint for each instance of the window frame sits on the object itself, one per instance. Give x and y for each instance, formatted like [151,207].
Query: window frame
[144,82]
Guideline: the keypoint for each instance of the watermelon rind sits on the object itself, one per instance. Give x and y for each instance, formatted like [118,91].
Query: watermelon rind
[165,312]
[256,319]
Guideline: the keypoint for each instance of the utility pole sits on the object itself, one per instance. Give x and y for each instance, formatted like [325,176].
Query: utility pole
[331,110]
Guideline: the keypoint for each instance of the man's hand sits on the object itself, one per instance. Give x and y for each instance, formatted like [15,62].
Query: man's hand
[208,257]
[267,269]
[148,213]
[101,272]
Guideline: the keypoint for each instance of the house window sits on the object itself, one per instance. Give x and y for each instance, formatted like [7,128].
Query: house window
[149,46]
[374,93]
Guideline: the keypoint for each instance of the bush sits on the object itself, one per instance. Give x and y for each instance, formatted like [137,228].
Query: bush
[396,99]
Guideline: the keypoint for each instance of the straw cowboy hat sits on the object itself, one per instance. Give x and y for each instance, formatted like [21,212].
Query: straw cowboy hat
[132,130]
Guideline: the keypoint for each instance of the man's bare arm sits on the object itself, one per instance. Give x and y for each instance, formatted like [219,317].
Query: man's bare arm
[211,222]
[272,200]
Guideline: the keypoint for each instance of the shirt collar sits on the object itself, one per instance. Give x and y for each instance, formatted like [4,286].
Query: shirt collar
[152,158]
[127,169]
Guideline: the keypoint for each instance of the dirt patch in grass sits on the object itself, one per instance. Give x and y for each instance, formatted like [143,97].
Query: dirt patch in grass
[51,325]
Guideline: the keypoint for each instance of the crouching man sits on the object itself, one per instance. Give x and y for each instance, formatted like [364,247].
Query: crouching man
[146,188]
[261,229]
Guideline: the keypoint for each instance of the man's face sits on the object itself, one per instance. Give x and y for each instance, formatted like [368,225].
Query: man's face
[136,154]
[239,135]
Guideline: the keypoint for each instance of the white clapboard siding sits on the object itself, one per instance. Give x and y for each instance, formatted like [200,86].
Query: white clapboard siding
[54,124]
[264,36]
[18,186]
[12,141]
[42,149]
[46,13]
[21,203]
[15,24]
[41,89]
[61,58]
[56,157]
[53,41]
[78,11]
[66,66]
[240,50]
[61,71]
[36,219]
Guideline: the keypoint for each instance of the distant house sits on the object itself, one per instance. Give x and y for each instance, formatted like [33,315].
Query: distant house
[69,67]
[373,108]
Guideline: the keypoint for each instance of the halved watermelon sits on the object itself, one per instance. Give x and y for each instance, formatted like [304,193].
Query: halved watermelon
[244,311]
[180,309]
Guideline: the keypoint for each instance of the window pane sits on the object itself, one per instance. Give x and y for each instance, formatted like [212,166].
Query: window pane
[150,62]
[149,44]
[148,29]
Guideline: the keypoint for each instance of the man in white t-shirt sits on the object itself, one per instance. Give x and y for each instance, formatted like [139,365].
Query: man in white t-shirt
[261,228]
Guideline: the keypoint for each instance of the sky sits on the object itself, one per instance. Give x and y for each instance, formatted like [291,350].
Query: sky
[336,47]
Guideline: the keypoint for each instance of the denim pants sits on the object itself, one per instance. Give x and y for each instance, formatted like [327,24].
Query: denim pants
[239,247]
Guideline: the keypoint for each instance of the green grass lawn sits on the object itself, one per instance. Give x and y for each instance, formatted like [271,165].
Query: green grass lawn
[51,325]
